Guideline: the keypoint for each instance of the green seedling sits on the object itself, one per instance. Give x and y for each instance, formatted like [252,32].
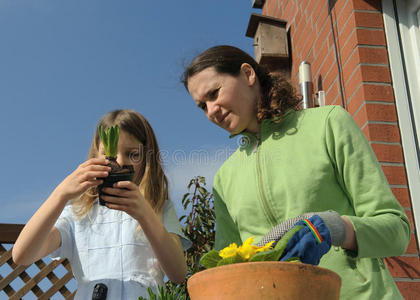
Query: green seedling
[110,140]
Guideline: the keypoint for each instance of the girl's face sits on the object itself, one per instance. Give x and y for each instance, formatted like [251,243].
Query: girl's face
[129,149]
[229,102]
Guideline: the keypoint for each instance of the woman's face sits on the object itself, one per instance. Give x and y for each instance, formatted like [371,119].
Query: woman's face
[229,102]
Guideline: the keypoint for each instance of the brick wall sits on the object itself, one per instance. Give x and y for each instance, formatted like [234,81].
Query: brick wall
[345,43]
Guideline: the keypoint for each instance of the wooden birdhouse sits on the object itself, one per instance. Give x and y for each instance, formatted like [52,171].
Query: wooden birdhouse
[270,41]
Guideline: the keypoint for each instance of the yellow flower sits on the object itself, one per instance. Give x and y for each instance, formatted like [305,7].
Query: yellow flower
[265,247]
[247,250]
[229,251]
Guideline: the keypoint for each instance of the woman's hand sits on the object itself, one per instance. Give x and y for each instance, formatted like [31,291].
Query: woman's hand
[87,175]
[126,196]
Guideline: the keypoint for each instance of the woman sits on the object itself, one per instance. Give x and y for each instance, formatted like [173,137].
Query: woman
[295,162]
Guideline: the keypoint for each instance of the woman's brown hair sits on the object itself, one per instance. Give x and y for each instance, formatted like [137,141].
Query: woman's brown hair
[151,178]
[277,94]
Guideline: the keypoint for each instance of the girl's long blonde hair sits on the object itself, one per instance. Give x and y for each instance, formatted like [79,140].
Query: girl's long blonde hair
[151,177]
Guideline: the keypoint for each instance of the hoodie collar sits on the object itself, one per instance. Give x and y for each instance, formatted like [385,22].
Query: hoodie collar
[263,124]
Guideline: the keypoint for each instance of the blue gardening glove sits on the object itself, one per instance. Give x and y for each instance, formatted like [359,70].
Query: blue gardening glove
[310,243]
[306,244]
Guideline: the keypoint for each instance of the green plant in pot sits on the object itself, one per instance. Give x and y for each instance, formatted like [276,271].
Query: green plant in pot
[109,139]
[254,272]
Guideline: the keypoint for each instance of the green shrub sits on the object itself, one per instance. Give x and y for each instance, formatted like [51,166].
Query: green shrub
[199,228]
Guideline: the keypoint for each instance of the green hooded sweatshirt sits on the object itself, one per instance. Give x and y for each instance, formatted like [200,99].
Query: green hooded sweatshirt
[315,160]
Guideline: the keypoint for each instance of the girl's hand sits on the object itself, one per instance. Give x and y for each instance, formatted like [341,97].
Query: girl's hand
[126,196]
[87,175]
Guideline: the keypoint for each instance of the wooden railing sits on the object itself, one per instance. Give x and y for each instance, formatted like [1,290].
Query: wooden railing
[8,235]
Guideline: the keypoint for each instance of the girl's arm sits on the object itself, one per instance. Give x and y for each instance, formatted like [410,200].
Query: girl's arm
[39,237]
[125,196]
[166,246]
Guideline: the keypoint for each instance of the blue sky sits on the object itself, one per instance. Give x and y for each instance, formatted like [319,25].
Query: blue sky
[63,64]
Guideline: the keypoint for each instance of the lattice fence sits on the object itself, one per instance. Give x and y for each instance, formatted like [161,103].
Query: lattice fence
[13,275]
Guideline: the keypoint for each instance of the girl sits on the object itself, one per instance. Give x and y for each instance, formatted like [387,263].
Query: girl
[127,244]
[295,162]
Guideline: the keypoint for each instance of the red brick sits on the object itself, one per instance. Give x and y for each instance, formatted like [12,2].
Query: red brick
[322,35]
[373,55]
[297,16]
[328,66]
[412,246]
[371,92]
[320,52]
[304,5]
[375,73]
[410,218]
[360,117]
[382,132]
[264,10]
[323,17]
[367,5]
[330,77]
[378,92]
[289,10]
[388,153]
[291,28]
[317,10]
[306,41]
[404,267]
[338,5]
[357,99]
[395,174]
[300,24]
[370,37]
[409,290]
[330,40]
[332,93]
[345,30]
[281,12]
[368,19]
[308,53]
[352,64]
[277,9]
[381,112]
[337,101]
[344,14]
[354,81]
[348,46]
[403,196]
[269,6]
[309,9]
[357,109]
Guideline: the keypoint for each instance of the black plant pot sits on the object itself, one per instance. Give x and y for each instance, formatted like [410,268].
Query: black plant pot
[126,173]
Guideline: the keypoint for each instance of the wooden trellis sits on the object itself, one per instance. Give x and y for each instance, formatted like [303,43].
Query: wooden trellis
[8,235]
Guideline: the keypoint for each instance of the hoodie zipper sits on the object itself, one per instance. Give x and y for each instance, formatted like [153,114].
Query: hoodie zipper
[263,197]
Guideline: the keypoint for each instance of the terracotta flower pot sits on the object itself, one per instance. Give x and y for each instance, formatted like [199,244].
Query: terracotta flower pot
[265,280]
